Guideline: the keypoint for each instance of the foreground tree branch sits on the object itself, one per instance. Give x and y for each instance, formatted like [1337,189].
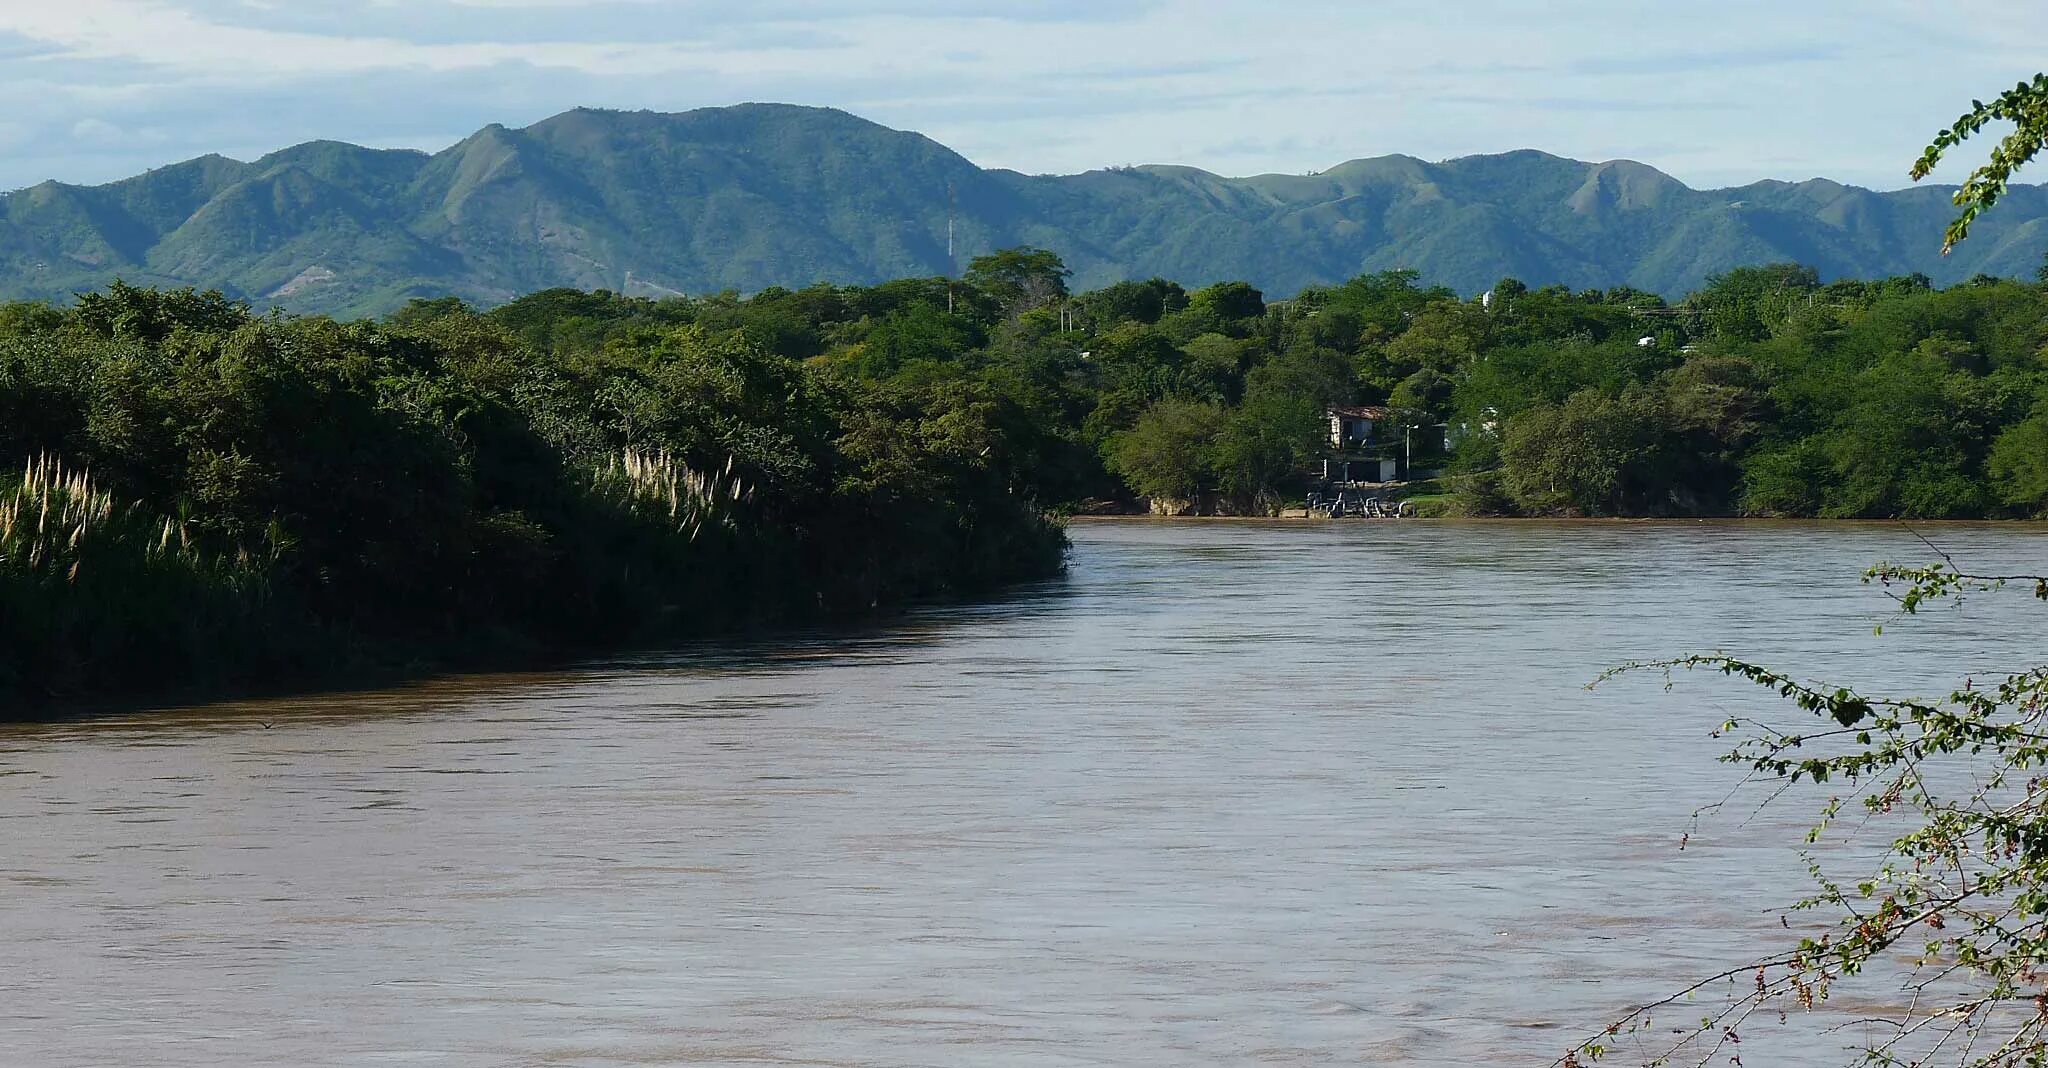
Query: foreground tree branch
[2026,107]
[1954,913]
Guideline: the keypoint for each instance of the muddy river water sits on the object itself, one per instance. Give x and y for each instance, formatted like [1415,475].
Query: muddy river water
[1229,793]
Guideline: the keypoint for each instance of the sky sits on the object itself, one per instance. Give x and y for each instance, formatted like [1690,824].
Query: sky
[1714,93]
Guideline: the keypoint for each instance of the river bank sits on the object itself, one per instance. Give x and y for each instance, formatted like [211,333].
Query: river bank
[327,660]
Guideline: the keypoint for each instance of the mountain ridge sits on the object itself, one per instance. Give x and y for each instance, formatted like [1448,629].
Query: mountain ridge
[756,195]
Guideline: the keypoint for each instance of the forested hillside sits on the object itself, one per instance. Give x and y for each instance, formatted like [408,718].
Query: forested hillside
[760,195]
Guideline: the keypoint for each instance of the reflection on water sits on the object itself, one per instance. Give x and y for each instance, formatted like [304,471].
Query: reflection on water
[1229,794]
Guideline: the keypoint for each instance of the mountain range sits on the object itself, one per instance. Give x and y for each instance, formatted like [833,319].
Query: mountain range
[759,195]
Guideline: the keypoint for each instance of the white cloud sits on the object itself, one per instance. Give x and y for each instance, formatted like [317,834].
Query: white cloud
[1714,93]
[164,36]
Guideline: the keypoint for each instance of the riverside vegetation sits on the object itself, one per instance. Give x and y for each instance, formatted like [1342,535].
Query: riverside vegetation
[1766,393]
[213,497]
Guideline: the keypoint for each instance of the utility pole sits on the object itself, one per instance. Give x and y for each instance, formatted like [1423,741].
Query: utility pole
[952,264]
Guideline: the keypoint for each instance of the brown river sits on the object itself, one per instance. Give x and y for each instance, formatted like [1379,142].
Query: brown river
[1228,794]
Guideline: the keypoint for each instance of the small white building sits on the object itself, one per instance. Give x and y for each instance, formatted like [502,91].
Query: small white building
[1358,426]
[1361,472]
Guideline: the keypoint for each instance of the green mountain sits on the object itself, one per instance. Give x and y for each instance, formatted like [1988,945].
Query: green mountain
[766,194]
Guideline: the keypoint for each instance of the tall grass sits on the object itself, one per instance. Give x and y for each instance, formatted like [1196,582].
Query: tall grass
[54,519]
[655,485]
[94,592]
[665,548]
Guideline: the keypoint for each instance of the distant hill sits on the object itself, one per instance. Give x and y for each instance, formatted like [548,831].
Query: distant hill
[767,194]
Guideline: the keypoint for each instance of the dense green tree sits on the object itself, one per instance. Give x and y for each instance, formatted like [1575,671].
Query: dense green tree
[1138,360]
[1748,303]
[1595,454]
[2019,464]
[1133,302]
[916,333]
[1216,366]
[126,313]
[1018,280]
[1444,337]
[1427,393]
[1262,447]
[1229,301]
[1170,452]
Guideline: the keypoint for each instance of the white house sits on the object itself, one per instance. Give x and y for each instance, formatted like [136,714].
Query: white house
[1355,427]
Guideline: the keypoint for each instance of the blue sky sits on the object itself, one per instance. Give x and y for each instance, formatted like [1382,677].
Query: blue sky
[1715,93]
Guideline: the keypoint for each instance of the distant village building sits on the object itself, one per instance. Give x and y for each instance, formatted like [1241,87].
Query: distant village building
[1374,444]
[1356,427]
[1339,472]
